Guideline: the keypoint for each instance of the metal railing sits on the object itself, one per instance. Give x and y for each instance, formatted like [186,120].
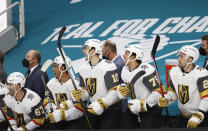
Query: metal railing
[21,32]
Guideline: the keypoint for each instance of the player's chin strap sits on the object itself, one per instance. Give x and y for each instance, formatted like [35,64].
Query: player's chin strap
[16,90]
[88,55]
[61,72]
[187,64]
[128,60]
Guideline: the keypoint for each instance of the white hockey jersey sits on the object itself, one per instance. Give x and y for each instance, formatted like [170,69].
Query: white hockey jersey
[28,112]
[97,80]
[60,92]
[3,90]
[60,96]
[143,83]
[191,89]
[1,117]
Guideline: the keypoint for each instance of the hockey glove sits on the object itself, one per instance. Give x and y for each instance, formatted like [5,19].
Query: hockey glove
[48,108]
[97,107]
[164,101]
[195,120]
[57,116]
[77,94]
[137,106]
[123,90]
[66,104]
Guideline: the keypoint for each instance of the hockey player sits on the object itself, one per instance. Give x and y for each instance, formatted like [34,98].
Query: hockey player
[85,48]
[98,79]
[23,107]
[188,85]
[3,91]
[60,88]
[144,90]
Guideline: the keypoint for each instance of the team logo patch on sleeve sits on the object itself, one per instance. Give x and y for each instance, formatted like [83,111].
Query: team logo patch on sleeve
[144,67]
[199,68]
[30,96]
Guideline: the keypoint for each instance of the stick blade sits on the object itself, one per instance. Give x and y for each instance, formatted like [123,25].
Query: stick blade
[46,65]
[156,43]
[59,40]
[60,35]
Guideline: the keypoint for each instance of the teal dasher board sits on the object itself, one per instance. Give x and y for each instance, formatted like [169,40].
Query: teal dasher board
[178,22]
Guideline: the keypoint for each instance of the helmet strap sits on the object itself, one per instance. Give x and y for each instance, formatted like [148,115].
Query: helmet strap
[187,64]
[16,91]
[128,60]
[61,72]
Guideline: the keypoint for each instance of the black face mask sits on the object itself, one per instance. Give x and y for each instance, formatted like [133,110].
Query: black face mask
[202,51]
[105,57]
[25,63]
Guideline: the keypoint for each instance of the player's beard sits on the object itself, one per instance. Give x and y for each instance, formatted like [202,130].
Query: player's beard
[180,65]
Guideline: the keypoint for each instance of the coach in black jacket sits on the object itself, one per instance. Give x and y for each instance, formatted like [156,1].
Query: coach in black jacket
[33,76]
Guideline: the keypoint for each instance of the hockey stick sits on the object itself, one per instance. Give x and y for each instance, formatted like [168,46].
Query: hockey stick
[154,49]
[6,118]
[43,70]
[69,72]
[1,99]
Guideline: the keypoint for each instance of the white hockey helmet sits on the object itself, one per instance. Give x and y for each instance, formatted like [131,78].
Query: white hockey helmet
[137,49]
[87,43]
[16,78]
[190,51]
[58,60]
[96,44]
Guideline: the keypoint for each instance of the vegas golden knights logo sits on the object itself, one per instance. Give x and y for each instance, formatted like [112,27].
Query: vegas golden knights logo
[20,119]
[183,94]
[60,97]
[91,85]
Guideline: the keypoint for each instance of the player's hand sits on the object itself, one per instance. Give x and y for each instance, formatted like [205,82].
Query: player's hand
[50,106]
[123,90]
[77,94]
[57,116]
[137,106]
[162,102]
[195,120]
[97,107]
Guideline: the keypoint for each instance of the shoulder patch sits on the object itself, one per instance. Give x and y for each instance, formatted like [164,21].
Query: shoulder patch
[199,68]
[30,96]
[144,67]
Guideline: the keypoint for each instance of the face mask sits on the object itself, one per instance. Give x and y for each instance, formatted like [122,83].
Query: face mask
[104,57]
[25,63]
[202,51]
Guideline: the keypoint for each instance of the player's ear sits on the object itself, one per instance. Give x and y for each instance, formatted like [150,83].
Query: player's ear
[190,59]
[18,86]
[62,68]
[92,50]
